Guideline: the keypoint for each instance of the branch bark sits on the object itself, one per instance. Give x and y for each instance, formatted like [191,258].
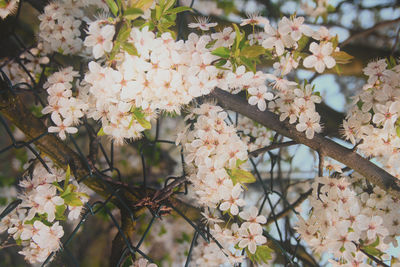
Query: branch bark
[369,170]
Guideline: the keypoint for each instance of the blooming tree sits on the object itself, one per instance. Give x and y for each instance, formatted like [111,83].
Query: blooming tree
[231,99]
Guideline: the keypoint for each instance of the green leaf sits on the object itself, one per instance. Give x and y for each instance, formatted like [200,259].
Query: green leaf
[221,63]
[169,4]
[68,190]
[72,199]
[130,48]
[373,251]
[252,51]
[248,63]
[179,9]
[101,132]
[262,254]
[211,44]
[239,162]
[221,52]
[60,212]
[302,43]
[59,188]
[238,36]
[398,131]
[124,32]
[159,12]
[115,49]
[240,176]
[39,217]
[376,242]
[342,57]
[335,42]
[139,115]
[113,7]
[132,13]
[67,176]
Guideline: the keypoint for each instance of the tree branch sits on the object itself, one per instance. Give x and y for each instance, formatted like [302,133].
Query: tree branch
[290,208]
[369,170]
[368,31]
[256,152]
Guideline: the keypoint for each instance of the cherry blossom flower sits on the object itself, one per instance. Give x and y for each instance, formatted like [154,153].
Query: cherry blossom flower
[63,127]
[233,202]
[254,19]
[258,97]
[251,216]
[310,124]
[320,58]
[202,24]
[100,38]
[251,237]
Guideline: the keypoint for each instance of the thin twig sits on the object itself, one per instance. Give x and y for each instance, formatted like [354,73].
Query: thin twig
[255,153]
[368,31]
[290,208]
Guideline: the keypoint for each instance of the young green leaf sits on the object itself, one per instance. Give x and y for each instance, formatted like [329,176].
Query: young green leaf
[113,7]
[302,43]
[342,57]
[239,162]
[178,10]
[248,63]
[133,13]
[240,176]
[124,32]
[60,212]
[72,199]
[238,36]
[262,254]
[101,132]
[139,115]
[221,52]
[252,51]
[67,176]
[130,48]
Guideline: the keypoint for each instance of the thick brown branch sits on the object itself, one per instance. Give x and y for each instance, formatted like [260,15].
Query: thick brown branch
[369,170]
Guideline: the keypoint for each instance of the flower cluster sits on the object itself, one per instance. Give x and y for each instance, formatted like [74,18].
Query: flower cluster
[318,8]
[290,37]
[65,109]
[31,60]
[298,105]
[8,7]
[216,166]
[255,135]
[349,218]
[374,117]
[35,223]
[60,25]
[100,35]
